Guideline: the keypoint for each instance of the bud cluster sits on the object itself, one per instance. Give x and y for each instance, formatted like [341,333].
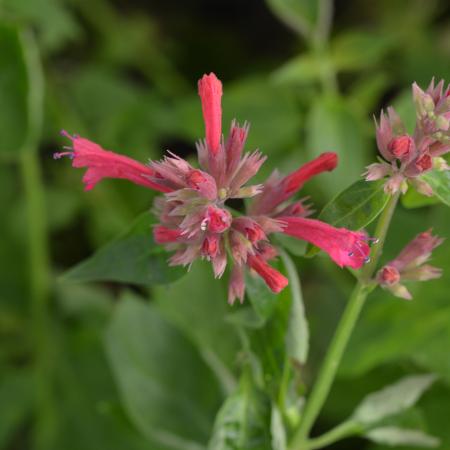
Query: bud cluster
[410,265]
[407,157]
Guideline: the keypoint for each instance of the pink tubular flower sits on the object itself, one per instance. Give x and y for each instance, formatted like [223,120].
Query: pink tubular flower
[408,157]
[274,279]
[210,91]
[106,164]
[194,220]
[346,248]
[277,190]
[410,265]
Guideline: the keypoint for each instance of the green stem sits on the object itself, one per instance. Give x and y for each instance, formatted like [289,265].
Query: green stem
[343,430]
[343,332]
[39,283]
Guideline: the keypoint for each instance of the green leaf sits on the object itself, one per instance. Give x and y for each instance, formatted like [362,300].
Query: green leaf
[261,297]
[394,436]
[13,91]
[356,49]
[299,15]
[412,199]
[334,125]
[167,390]
[201,316]
[302,69]
[392,399]
[440,182]
[243,421]
[133,257]
[355,207]
[297,337]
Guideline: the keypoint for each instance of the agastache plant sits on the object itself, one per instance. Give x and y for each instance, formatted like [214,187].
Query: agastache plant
[194,220]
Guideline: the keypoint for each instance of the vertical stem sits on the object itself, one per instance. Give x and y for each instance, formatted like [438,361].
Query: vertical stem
[39,265]
[342,334]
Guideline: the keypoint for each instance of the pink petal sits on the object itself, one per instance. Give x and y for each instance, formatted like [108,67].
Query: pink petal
[164,235]
[236,286]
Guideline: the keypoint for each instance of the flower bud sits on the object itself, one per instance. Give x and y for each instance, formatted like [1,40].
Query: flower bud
[424,162]
[388,276]
[217,220]
[210,246]
[401,146]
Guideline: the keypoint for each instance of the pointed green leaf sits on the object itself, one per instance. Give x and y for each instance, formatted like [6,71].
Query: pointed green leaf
[355,207]
[412,199]
[261,297]
[394,436]
[393,399]
[299,15]
[244,420]
[133,257]
[297,337]
[440,182]
[168,391]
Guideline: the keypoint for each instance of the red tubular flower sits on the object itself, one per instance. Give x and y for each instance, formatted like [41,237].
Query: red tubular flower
[274,279]
[346,248]
[106,164]
[278,190]
[210,91]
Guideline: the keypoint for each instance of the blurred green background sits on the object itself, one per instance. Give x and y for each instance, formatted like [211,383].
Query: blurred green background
[123,73]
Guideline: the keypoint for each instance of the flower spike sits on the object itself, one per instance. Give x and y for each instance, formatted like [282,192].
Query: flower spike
[194,219]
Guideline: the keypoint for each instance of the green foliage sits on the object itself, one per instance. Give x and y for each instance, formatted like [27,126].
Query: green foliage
[392,399]
[243,421]
[440,183]
[394,436]
[171,407]
[132,257]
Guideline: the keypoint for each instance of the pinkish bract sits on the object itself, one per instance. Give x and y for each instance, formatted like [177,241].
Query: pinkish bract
[410,265]
[194,219]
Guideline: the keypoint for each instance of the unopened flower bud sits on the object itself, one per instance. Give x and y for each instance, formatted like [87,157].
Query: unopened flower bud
[424,162]
[394,184]
[376,171]
[217,220]
[388,276]
[210,246]
[401,146]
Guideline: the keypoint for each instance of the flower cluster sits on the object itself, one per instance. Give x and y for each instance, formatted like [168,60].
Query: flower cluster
[194,220]
[407,157]
[410,265]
